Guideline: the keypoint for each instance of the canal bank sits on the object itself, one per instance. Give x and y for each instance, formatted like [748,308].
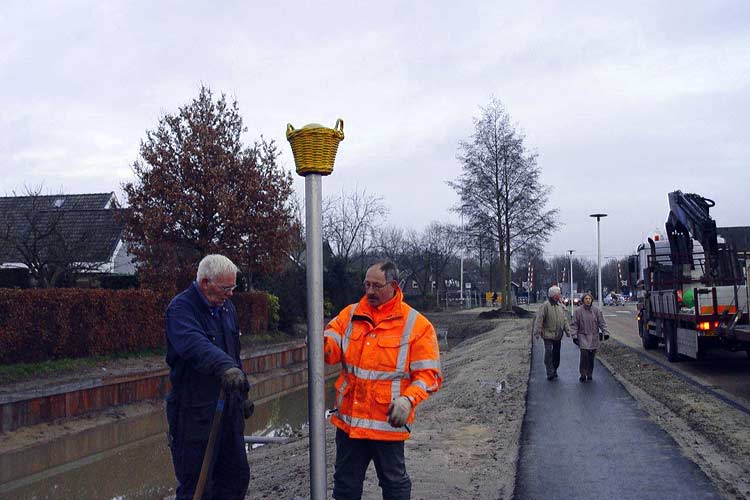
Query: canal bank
[97,426]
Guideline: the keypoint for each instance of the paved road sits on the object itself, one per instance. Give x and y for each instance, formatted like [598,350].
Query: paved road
[726,372]
[591,441]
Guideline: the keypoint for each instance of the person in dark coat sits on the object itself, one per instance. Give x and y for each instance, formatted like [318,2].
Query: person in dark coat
[203,354]
[587,329]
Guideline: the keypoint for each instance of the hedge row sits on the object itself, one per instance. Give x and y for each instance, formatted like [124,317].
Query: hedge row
[38,325]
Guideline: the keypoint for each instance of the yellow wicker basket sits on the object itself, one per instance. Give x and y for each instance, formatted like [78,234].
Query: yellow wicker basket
[314,147]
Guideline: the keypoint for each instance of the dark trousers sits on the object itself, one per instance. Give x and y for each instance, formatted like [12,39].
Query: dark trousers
[552,356]
[586,363]
[353,456]
[230,472]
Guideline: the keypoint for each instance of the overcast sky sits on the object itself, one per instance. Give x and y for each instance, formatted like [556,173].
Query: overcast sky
[623,101]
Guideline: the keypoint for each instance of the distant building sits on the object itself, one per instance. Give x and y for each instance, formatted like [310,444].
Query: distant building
[87,226]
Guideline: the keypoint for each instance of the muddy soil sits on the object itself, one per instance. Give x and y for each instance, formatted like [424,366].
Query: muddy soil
[464,442]
[713,434]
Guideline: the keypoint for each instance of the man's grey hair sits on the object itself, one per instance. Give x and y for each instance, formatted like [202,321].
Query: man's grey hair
[553,290]
[214,265]
[389,269]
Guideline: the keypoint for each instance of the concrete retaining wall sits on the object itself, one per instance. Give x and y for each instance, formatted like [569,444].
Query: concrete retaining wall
[71,400]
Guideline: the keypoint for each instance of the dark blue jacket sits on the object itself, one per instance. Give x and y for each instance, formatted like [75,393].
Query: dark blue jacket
[202,343]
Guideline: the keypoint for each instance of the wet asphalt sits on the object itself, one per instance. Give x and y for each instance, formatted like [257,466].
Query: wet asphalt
[591,441]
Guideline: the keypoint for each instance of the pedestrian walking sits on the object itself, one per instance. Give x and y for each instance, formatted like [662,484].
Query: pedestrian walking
[587,329]
[390,362]
[550,324]
[203,354]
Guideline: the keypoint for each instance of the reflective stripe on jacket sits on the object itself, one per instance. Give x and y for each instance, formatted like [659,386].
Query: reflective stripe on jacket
[385,352]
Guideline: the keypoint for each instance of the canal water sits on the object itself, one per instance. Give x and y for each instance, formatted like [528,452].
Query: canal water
[129,459]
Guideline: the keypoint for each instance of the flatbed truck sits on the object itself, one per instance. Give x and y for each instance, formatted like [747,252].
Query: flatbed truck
[692,287]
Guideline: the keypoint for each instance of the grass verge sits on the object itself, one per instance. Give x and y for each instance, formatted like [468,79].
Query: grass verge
[24,371]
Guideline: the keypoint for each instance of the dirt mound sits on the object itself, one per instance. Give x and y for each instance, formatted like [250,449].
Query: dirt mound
[516,312]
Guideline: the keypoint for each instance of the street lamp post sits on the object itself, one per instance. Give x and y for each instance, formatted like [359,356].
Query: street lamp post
[571,282]
[598,258]
[461,284]
[314,148]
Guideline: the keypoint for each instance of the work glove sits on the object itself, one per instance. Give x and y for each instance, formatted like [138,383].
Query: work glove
[248,407]
[575,340]
[399,411]
[234,379]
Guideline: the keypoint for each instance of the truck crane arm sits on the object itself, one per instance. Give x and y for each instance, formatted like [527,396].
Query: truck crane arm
[688,218]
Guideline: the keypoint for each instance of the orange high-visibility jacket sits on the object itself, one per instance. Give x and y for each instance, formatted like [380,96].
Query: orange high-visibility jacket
[385,352]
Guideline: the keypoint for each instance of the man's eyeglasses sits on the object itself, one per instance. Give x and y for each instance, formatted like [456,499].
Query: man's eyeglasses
[226,289]
[374,286]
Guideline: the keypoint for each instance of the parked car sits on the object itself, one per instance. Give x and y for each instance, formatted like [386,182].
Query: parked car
[613,299]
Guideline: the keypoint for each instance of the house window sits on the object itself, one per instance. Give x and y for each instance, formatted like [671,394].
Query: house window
[59,202]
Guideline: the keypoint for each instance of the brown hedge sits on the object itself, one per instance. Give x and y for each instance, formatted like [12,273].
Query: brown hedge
[38,325]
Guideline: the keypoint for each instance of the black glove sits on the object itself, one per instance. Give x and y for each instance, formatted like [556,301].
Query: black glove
[605,336]
[575,341]
[234,380]
[248,407]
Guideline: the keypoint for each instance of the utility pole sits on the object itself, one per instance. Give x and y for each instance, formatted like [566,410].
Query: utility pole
[571,282]
[599,258]
[462,261]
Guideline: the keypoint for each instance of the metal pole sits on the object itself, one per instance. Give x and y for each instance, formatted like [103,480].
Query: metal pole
[316,379]
[599,258]
[462,279]
[599,263]
[571,282]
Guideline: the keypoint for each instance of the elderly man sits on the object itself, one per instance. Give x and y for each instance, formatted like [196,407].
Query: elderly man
[550,324]
[390,362]
[588,327]
[203,354]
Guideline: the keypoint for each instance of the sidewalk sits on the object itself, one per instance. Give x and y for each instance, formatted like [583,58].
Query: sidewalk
[592,441]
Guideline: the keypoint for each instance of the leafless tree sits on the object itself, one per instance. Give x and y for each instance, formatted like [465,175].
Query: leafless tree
[349,220]
[390,243]
[422,257]
[499,188]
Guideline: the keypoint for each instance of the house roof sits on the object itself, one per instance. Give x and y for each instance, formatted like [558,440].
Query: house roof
[738,236]
[87,201]
[90,231]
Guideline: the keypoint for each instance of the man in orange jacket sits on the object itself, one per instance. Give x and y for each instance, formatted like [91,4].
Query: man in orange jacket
[390,362]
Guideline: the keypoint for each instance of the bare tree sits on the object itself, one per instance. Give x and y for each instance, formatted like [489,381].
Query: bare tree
[349,220]
[422,257]
[499,189]
[390,243]
[441,243]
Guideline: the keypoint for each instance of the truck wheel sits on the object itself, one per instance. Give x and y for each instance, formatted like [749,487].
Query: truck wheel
[649,341]
[670,342]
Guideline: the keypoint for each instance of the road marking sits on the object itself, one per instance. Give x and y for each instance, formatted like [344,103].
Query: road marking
[623,312]
[611,316]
